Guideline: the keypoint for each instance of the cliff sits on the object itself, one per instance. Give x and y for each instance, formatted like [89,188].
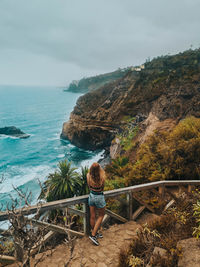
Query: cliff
[167,88]
[92,83]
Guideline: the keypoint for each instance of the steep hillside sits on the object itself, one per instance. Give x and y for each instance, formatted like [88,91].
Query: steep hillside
[168,87]
[92,83]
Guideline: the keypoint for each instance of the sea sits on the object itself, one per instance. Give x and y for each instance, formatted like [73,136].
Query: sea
[25,163]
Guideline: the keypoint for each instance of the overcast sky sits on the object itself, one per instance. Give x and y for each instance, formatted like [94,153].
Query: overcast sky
[51,42]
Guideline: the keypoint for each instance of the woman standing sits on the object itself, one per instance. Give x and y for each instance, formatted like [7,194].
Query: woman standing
[96,201]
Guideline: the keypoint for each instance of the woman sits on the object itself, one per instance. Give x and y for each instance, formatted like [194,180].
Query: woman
[96,201]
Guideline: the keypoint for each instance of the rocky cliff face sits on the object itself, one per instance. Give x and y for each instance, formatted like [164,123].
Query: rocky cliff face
[168,87]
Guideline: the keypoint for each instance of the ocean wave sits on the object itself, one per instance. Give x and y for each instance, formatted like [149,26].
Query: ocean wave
[66,142]
[3,136]
[70,145]
[55,137]
[60,156]
[19,176]
[95,158]
[52,138]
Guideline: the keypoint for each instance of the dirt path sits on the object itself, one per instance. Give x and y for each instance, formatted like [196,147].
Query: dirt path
[86,254]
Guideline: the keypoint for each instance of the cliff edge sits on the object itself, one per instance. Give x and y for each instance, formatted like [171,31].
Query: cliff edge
[167,87]
[92,83]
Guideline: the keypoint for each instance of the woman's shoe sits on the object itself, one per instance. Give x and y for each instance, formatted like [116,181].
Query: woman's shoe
[94,240]
[99,235]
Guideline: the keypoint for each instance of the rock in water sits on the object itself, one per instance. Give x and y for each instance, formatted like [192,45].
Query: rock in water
[13,131]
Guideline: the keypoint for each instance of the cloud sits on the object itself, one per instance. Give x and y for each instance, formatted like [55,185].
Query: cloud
[89,36]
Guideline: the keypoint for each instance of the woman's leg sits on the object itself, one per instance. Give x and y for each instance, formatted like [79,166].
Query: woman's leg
[98,221]
[92,216]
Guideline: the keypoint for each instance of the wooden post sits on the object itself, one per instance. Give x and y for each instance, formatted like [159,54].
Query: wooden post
[161,190]
[179,190]
[86,219]
[190,188]
[116,216]
[129,198]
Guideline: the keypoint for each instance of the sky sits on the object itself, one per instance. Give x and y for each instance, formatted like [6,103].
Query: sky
[52,42]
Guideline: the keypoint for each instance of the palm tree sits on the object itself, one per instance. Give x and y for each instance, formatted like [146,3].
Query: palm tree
[83,177]
[117,166]
[63,183]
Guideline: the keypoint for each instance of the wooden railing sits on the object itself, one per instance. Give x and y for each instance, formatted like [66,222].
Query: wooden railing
[158,188]
[66,203]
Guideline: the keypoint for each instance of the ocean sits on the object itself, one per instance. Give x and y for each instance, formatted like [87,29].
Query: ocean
[40,112]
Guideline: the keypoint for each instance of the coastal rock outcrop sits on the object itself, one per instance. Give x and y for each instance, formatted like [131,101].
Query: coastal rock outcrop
[96,116]
[13,131]
[167,87]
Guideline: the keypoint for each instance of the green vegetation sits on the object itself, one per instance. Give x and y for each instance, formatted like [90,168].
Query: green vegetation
[63,183]
[117,168]
[7,248]
[187,59]
[128,132]
[84,190]
[165,155]
[173,225]
[196,214]
[95,82]
[116,172]
[170,155]
[126,139]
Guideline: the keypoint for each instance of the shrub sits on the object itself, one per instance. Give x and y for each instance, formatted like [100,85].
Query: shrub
[117,169]
[169,155]
[196,209]
[173,225]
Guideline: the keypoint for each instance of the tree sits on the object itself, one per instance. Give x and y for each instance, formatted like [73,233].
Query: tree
[170,155]
[83,177]
[117,168]
[63,183]
[21,240]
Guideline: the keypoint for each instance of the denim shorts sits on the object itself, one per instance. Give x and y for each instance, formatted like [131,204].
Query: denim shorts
[96,200]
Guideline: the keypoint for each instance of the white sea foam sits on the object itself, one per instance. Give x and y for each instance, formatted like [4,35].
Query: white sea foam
[3,136]
[89,162]
[54,137]
[71,146]
[60,156]
[19,176]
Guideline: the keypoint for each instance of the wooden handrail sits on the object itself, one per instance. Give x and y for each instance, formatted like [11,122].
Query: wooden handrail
[66,203]
[59,204]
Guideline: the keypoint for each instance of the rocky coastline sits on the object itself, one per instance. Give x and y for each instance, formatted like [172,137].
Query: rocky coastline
[92,83]
[164,92]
